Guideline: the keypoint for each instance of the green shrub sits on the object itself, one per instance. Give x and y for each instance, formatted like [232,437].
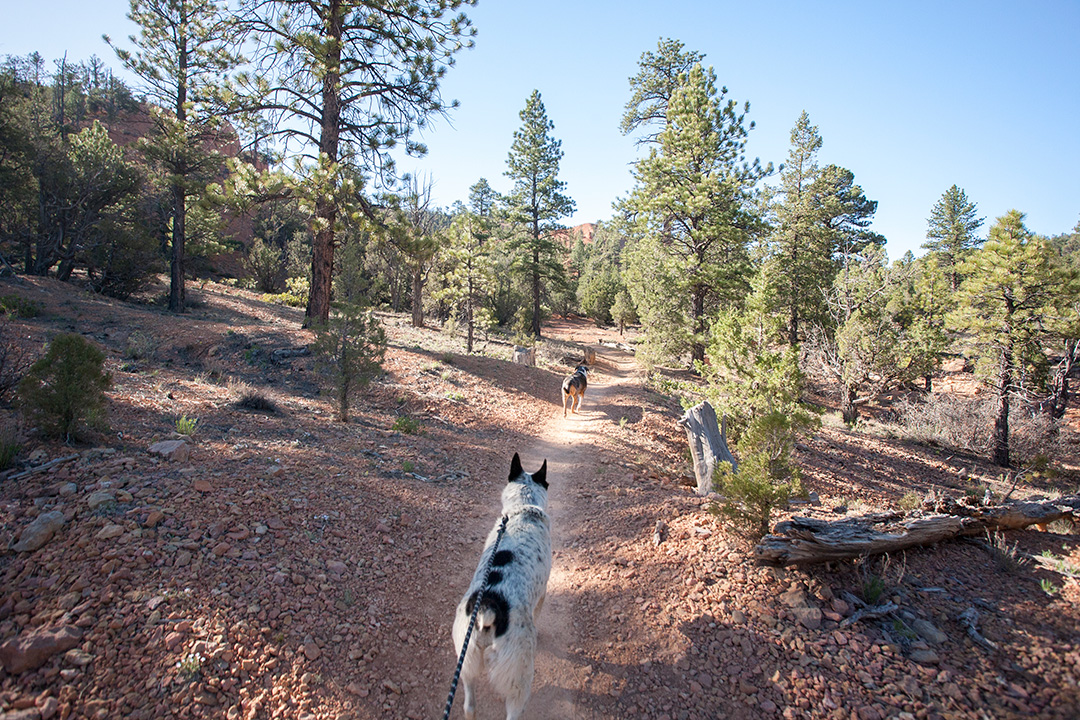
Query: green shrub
[9,448]
[139,346]
[186,425]
[66,387]
[766,479]
[263,264]
[873,587]
[349,350]
[406,425]
[19,307]
[910,501]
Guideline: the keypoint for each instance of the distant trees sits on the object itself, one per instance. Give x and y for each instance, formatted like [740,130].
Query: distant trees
[71,197]
[950,232]
[536,203]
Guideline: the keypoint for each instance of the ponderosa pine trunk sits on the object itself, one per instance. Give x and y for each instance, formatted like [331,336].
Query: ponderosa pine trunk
[417,298]
[848,410]
[177,294]
[177,262]
[1001,418]
[322,252]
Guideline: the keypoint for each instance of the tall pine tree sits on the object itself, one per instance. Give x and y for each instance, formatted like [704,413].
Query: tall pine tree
[181,53]
[694,192]
[349,80]
[1010,287]
[799,257]
[537,202]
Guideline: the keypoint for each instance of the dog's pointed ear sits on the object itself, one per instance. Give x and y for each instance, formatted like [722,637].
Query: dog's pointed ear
[515,468]
[540,476]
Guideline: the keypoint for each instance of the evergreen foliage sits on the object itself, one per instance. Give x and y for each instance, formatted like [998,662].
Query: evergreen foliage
[693,196]
[181,53]
[766,479]
[950,232]
[466,267]
[655,83]
[350,347]
[1013,285]
[799,256]
[535,205]
[66,388]
[349,81]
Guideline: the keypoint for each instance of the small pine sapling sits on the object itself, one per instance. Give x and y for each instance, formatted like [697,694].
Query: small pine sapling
[766,479]
[66,387]
[350,347]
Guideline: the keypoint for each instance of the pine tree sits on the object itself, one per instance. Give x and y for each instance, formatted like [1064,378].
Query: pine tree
[920,304]
[349,348]
[1010,287]
[182,51]
[799,257]
[350,80]
[694,192]
[653,86]
[950,231]
[537,202]
[466,268]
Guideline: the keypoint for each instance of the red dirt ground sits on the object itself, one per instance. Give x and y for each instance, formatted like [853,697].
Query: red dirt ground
[298,567]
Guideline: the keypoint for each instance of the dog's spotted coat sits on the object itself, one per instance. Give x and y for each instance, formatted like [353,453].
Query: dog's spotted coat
[503,642]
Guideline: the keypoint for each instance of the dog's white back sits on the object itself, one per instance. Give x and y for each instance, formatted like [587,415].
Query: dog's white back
[503,641]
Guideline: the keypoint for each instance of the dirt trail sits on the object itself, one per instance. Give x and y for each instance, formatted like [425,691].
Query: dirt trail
[570,447]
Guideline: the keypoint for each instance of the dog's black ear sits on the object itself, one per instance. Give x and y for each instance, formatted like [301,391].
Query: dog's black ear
[515,468]
[540,476]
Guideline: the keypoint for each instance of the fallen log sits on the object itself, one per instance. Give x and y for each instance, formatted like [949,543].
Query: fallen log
[708,444]
[807,540]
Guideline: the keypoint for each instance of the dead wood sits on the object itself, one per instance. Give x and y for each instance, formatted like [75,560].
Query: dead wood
[45,466]
[874,611]
[708,444]
[970,620]
[659,532]
[806,540]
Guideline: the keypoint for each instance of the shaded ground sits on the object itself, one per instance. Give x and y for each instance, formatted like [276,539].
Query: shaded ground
[295,567]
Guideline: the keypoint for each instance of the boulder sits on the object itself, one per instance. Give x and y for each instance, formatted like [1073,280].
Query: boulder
[32,650]
[171,450]
[40,531]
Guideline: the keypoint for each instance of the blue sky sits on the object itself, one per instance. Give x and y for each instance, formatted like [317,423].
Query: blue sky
[910,96]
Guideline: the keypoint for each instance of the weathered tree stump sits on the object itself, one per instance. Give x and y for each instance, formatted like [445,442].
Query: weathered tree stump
[525,356]
[805,540]
[708,444]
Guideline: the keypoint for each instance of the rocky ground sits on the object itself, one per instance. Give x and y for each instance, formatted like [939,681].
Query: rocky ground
[279,564]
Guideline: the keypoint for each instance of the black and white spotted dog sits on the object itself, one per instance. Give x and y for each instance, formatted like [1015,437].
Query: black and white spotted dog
[503,641]
[573,387]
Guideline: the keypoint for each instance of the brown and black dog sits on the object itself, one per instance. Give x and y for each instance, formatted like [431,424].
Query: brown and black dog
[573,387]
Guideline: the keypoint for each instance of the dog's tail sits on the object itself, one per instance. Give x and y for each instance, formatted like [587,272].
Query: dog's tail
[492,618]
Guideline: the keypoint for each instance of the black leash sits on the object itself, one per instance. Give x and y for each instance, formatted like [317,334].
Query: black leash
[472,620]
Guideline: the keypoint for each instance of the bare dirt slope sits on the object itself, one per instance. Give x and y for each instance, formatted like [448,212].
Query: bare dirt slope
[298,567]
